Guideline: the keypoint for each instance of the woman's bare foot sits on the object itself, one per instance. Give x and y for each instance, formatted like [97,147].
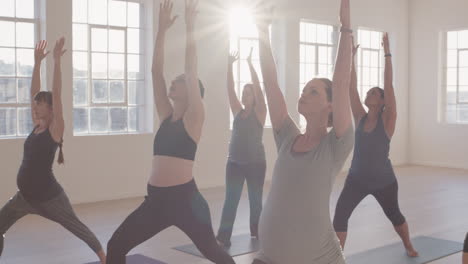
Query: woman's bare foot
[411,252]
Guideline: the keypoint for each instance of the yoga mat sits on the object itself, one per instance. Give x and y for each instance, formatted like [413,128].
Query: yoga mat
[429,249]
[240,245]
[137,259]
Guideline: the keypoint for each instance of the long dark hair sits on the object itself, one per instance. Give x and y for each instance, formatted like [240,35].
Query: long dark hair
[46,97]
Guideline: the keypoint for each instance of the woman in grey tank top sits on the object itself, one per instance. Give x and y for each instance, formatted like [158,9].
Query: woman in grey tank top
[246,160]
[295,225]
[371,171]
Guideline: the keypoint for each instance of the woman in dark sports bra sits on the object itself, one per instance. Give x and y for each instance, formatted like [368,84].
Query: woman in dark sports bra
[173,198]
[246,160]
[371,171]
[39,192]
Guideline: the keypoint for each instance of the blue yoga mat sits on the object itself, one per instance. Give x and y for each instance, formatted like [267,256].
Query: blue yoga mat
[429,249]
[137,259]
[240,245]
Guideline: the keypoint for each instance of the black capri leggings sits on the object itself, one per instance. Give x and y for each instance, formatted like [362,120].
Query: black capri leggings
[354,193]
[182,206]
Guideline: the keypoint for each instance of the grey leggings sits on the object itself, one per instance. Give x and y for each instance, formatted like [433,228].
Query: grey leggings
[236,175]
[353,194]
[57,209]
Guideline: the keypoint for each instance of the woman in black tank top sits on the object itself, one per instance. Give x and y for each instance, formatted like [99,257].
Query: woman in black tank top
[180,205]
[371,172]
[39,192]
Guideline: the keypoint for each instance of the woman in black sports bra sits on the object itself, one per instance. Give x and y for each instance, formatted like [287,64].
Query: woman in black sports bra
[173,198]
[39,192]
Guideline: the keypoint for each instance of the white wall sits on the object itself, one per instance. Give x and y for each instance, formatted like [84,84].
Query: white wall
[112,167]
[432,142]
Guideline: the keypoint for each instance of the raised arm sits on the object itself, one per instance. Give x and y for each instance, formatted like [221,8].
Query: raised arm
[275,98]
[39,55]
[236,106]
[195,114]
[342,74]
[356,105]
[260,105]
[390,113]
[163,105]
[57,126]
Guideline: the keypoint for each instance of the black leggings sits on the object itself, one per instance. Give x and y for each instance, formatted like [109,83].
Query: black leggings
[236,175]
[353,194]
[182,206]
[465,246]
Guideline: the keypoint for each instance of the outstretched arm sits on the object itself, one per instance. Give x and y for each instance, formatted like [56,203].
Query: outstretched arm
[236,106]
[39,55]
[58,125]
[275,98]
[356,105]
[342,74]
[260,105]
[195,114]
[390,113]
[163,105]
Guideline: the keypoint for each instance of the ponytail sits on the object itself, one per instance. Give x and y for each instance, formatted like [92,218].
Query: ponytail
[60,157]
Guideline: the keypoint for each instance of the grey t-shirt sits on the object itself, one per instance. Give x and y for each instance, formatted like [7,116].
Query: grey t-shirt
[295,225]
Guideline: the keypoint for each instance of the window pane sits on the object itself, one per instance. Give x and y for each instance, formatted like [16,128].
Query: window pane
[462,113]
[8,9]
[451,95]
[116,66]
[7,122]
[135,69]
[374,77]
[366,56]
[451,114]
[365,38]
[80,92]
[136,92]
[80,64]
[133,40]
[452,40]
[309,72]
[8,33]
[133,118]
[25,35]
[25,8]
[322,34]
[452,58]
[24,90]
[80,120]
[117,41]
[99,120]
[118,118]
[452,76]
[374,59]
[463,61]
[117,91]
[311,33]
[463,76]
[331,35]
[25,124]
[117,13]
[80,37]
[323,71]
[133,14]
[7,90]
[7,62]
[99,39]
[463,94]
[463,39]
[98,12]
[99,64]
[376,40]
[323,55]
[80,11]
[310,54]
[100,92]
[25,61]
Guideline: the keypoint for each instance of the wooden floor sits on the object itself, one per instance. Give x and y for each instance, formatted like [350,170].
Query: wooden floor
[434,201]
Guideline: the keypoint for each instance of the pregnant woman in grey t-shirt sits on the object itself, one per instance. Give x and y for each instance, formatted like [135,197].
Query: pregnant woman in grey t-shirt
[295,225]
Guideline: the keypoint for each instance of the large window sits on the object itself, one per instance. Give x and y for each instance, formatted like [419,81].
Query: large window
[370,61]
[243,37]
[317,53]
[108,67]
[18,28]
[456,76]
